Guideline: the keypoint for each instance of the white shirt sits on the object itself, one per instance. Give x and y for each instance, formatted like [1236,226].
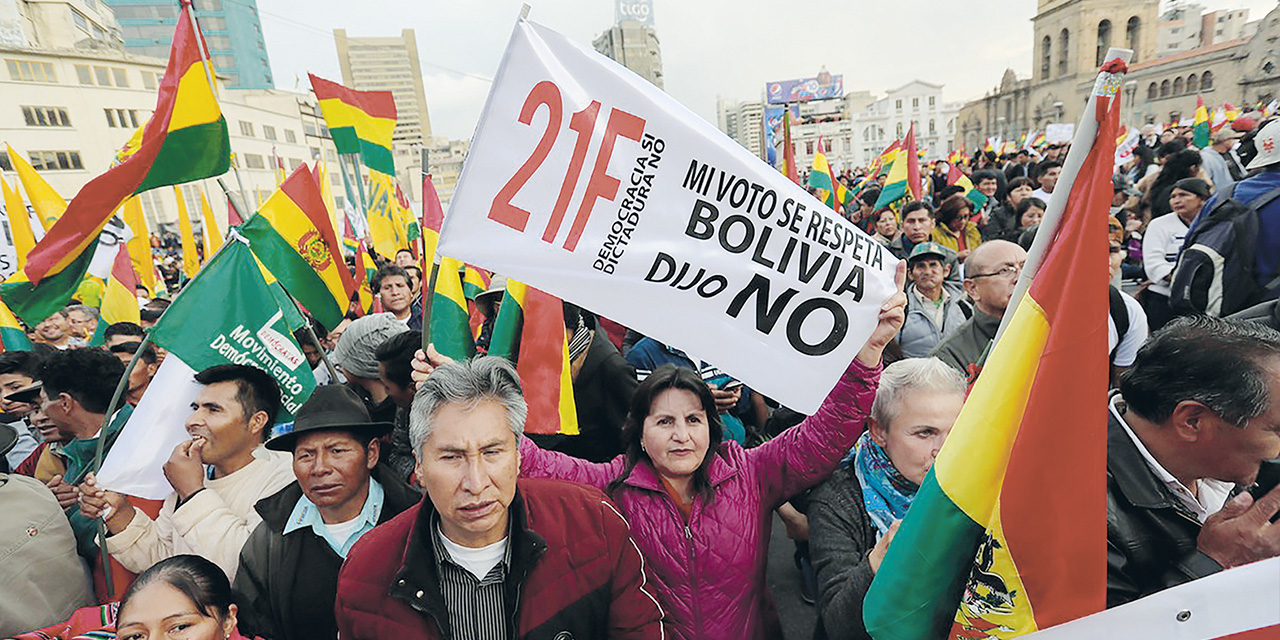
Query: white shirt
[343,530]
[1042,194]
[1137,334]
[1160,247]
[1210,494]
[477,562]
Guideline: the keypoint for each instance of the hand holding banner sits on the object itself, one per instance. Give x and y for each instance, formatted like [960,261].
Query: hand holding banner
[675,230]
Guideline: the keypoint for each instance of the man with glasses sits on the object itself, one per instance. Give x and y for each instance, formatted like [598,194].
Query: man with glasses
[990,275]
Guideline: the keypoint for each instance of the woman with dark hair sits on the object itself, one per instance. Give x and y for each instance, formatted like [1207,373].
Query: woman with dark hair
[955,229]
[1177,166]
[1162,243]
[185,597]
[1004,219]
[700,507]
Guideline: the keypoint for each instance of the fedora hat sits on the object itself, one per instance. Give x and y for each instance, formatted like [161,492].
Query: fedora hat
[330,407]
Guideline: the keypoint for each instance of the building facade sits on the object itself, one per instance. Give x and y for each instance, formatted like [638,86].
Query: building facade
[742,121]
[1004,112]
[391,64]
[232,30]
[634,45]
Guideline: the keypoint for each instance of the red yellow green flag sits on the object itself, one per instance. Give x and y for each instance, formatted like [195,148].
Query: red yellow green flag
[530,323]
[292,234]
[359,122]
[450,327]
[1200,125]
[362,278]
[185,139]
[1007,533]
[12,337]
[119,297]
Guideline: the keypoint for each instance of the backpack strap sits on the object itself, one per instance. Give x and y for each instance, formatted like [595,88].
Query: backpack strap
[1119,314]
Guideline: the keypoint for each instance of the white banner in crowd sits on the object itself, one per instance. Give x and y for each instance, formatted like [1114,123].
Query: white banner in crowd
[1223,604]
[587,182]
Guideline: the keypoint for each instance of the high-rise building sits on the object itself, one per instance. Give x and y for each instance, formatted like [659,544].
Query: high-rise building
[632,41]
[231,28]
[391,64]
[742,121]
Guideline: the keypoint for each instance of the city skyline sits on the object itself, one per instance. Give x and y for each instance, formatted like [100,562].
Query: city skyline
[460,48]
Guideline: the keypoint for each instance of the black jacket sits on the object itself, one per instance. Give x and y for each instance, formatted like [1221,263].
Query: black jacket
[286,585]
[841,535]
[1151,535]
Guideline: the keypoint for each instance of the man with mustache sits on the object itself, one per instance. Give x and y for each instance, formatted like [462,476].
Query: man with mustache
[210,512]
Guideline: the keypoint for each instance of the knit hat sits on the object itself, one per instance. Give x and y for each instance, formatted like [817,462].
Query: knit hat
[357,347]
[1194,185]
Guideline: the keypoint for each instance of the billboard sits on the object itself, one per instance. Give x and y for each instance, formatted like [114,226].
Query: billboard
[633,10]
[824,86]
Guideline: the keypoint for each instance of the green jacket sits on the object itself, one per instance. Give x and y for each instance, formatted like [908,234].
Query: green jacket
[81,454]
[964,348]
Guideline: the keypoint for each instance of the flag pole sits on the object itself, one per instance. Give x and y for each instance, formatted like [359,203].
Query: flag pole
[429,261]
[232,201]
[1083,141]
[97,458]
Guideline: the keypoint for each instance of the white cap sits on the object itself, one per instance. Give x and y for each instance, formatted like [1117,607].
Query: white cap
[1267,142]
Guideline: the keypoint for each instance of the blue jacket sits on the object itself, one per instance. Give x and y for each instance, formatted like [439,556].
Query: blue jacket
[919,335]
[1268,266]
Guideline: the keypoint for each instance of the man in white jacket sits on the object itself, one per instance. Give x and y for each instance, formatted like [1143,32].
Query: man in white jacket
[210,513]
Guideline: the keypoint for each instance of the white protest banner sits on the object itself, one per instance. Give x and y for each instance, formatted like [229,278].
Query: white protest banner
[587,182]
[1232,602]
[1060,132]
[1124,149]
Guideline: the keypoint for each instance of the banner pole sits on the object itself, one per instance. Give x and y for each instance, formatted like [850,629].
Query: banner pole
[1081,144]
[97,458]
[429,265]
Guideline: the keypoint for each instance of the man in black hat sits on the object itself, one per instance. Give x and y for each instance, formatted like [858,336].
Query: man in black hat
[288,574]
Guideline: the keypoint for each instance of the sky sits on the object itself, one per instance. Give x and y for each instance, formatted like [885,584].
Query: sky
[710,48]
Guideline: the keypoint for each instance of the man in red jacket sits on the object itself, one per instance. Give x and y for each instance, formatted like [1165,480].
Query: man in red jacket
[485,555]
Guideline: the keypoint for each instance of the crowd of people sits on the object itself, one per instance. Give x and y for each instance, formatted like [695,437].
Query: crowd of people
[405,499]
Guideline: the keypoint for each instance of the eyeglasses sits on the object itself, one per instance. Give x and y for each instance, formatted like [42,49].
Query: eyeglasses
[1004,272]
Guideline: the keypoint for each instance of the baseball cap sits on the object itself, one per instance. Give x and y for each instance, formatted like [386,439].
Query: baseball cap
[1244,124]
[925,249]
[1268,144]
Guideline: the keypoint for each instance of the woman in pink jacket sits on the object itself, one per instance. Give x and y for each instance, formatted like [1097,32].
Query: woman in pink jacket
[700,509]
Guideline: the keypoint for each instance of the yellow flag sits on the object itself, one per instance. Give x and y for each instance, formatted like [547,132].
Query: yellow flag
[19,223]
[326,193]
[190,257]
[139,247]
[47,203]
[385,218]
[212,234]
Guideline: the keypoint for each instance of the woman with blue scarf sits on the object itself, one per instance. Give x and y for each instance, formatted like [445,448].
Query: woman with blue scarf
[854,515]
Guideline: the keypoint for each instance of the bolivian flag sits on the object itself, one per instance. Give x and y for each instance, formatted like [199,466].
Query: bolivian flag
[530,323]
[363,277]
[957,177]
[12,337]
[1200,126]
[120,297]
[292,234]
[904,175]
[475,281]
[1010,523]
[19,222]
[386,217]
[185,140]
[450,329]
[359,121]
[140,244]
[821,177]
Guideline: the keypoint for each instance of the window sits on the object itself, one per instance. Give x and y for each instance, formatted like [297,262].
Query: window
[1064,48]
[268,132]
[294,163]
[150,80]
[915,103]
[310,129]
[1217,32]
[223,61]
[1152,91]
[246,128]
[80,20]
[330,155]
[218,43]
[290,136]
[83,73]
[898,105]
[122,118]
[31,71]
[1268,67]
[55,160]
[1046,55]
[1104,42]
[121,79]
[103,76]
[1206,81]
[1177,86]
[1193,83]
[932,128]
[4,162]
[46,117]
[1164,89]
[933,100]
[899,129]
[808,147]
[213,24]
[254,161]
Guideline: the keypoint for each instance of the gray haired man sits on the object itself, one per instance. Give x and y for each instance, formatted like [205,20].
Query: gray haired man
[485,554]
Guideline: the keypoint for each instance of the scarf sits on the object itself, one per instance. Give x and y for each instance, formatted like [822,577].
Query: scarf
[886,493]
